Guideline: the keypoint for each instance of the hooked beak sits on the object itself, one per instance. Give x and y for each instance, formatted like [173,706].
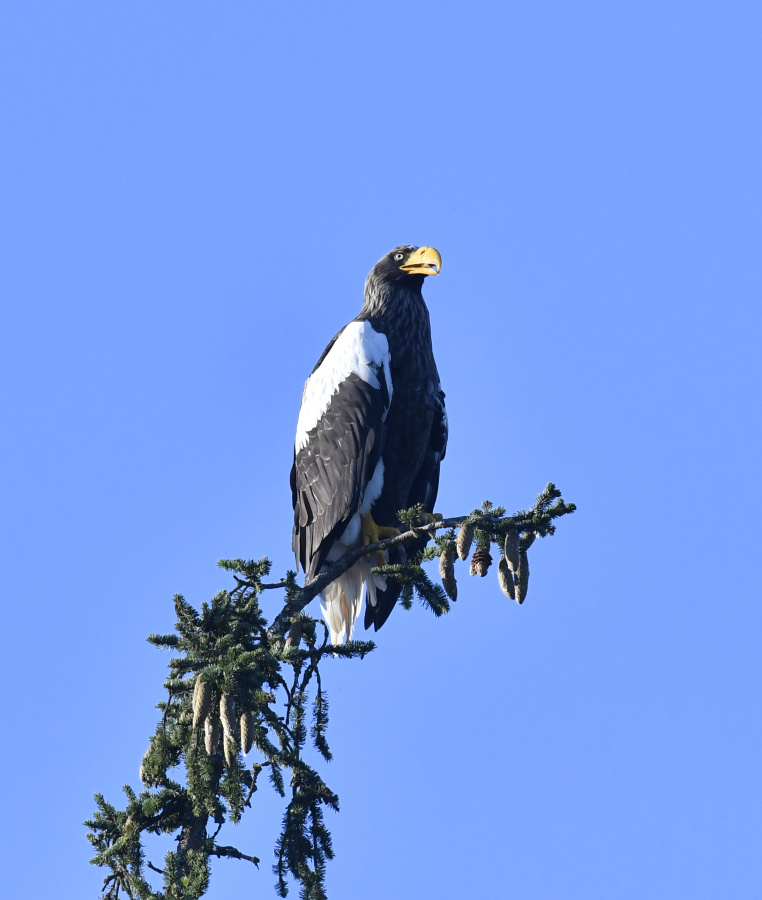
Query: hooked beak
[424,261]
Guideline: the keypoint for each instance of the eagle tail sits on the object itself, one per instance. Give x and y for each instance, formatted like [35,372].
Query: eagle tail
[379,611]
[385,598]
[342,600]
[380,606]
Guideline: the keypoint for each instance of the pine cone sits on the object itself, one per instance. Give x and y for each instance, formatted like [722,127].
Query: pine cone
[247,732]
[505,579]
[522,577]
[451,587]
[294,635]
[227,717]
[465,539]
[229,747]
[527,539]
[480,562]
[211,735]
[142,773]
[202,700]
[447,571]
[511,549]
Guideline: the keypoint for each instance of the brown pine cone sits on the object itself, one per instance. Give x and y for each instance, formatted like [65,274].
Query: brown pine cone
[505,579]
[227,717]
[447,572]
[229,748]
[465,539]
[511,549]
[247,732]
[211,735]
[522,577]
[527,539]
[480,562]
[451,587]
[142,772]
[202,699]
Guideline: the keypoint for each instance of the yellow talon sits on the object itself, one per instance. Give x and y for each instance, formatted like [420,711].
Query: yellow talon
[432,517]
[371,533]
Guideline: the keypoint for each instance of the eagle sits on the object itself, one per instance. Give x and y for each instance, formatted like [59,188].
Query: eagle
[371,434]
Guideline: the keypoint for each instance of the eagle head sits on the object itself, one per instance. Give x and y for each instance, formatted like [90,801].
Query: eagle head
[407,263]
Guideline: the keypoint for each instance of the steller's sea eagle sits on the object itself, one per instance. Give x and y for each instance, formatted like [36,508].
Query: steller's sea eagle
[371,434]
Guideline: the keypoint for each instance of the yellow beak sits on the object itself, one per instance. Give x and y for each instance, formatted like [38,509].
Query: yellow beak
[424,261]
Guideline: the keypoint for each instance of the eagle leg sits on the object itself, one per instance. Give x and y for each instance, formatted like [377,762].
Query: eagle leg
[432,517]
[371,533]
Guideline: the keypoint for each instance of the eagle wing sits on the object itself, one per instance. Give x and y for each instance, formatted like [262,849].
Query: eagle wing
[424,490]
[339,439]
[426,484]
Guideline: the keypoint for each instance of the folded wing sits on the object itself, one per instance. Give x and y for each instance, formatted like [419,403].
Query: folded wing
[339,439]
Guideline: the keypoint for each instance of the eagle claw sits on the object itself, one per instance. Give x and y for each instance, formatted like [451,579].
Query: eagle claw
[371,533]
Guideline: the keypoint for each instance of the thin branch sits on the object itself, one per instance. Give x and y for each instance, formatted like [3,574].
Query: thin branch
[166,712]
[256,769]
[232,853]
[242,584]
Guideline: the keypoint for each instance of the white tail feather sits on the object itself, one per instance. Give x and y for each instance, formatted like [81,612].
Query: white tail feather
[341,601]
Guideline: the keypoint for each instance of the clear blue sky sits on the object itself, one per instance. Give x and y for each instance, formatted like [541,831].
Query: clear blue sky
[192,195]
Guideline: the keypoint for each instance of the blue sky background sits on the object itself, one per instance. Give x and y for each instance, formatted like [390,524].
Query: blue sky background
[192,196]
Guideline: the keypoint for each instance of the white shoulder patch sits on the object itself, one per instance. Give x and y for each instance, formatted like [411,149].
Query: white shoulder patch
[359,350]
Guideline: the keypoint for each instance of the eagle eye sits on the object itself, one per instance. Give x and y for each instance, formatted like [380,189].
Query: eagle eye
[399,256]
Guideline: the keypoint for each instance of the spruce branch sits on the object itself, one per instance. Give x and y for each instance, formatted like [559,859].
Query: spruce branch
[237,683]
[492,521]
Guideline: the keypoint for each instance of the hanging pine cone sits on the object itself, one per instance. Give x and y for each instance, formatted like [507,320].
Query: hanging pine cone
[522,577]
[227,717]
[480,562]
[294,635]
[451,588]
[511,549]
[229,748]
[447,571]
[465,539]
[143,779]
[211,735]
[505,579]
[247,732]
[202,700]
[527,539]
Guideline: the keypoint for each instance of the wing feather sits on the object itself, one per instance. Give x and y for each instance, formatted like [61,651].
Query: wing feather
[339,439]
[424,490]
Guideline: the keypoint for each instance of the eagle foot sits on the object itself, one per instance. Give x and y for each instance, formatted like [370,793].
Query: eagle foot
[371,533]
[432,517]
